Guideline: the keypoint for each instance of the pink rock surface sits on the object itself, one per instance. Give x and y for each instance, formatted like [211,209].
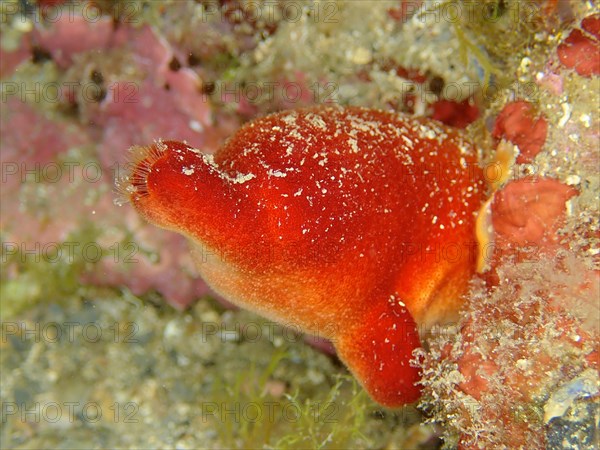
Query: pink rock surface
[520,124]
[10,60]
[581,48]
[135,111]
[529,211]
[72,34]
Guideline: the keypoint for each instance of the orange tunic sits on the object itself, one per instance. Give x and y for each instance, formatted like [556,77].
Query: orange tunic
[350,223]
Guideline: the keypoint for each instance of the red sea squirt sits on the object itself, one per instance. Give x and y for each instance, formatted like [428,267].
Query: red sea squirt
[353,224]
